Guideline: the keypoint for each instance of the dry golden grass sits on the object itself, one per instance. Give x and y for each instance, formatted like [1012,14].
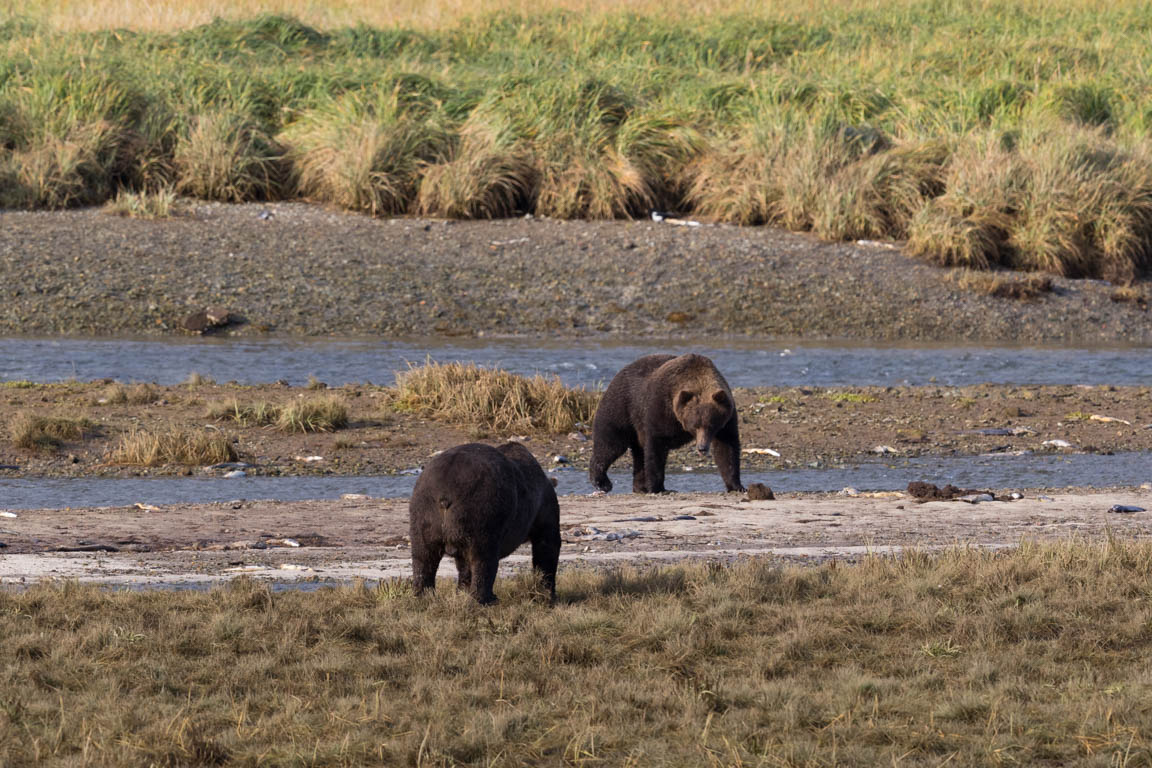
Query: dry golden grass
[168,15]
[1030,657]
[1002,286]
[175,446]
[319,414]
[157,204]
[46,433]
[467,394]
[117,394]
[259,414]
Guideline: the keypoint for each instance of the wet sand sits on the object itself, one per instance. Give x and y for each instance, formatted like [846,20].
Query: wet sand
[201,544]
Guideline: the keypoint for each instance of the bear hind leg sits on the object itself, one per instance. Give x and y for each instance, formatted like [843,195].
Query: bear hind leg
[606,448]
[546,557]
[484,565]
[425,562]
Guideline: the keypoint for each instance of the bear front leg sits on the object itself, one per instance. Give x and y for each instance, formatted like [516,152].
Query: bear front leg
[425,562]
[655,460]
[726,452]
[639,476]
[546,555]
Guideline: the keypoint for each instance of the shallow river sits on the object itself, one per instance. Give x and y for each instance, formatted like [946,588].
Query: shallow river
[577,362]
[1029,471]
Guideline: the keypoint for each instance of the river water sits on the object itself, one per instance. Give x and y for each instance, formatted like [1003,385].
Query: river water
[996,471]
[577,362]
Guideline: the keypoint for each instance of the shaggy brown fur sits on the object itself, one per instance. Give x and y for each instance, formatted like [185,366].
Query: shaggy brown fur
[656,404]
[477,504]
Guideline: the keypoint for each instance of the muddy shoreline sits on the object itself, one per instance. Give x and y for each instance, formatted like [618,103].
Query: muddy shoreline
[201,544]
[806,426]
[300,269]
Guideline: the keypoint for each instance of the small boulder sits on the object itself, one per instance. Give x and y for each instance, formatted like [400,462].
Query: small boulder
[760,492]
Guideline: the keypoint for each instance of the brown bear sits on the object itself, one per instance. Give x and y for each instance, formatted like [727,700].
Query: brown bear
[656,404]
[477,504]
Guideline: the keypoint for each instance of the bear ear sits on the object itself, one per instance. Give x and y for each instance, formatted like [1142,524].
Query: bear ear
[720,397]
[555,482]
[683,398]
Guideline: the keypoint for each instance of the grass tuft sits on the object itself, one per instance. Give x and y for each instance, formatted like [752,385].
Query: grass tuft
[323,414]
[259,414]
[158,204]
[499,400]
[46,433]
[176,446]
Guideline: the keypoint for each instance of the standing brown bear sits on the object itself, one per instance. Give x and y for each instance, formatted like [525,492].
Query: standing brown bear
[477,504]
[658,403]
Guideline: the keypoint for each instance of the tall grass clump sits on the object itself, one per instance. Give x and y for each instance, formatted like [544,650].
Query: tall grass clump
[46,433]
[365,150]
[1072,203]
[222,155]
[467,394]
[260,414]
[319,414]
[174,446]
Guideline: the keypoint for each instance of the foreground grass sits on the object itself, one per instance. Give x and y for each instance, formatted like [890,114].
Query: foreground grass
[1031,656]
[990,134]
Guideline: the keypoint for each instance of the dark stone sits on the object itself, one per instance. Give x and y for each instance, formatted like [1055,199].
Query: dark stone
[760,492]
[927,491]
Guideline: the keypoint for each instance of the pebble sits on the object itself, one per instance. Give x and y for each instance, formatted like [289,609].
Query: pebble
[1057,443]
[760,492]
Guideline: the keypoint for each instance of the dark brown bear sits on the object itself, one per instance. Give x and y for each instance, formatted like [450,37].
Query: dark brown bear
[477,504]
[656,404]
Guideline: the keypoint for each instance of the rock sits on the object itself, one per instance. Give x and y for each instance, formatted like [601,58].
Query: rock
[1108,419]
[976,498]
[762,451]
[6,513]
[355,496]
[208,319]
[849,491]
[1124,509]
[1146,486]
[560,459]
[684,517]
[231,465]
[884,449]
[928,491]
[760,492]
[236,473]
[1056,444]
[578,437]
[642,519]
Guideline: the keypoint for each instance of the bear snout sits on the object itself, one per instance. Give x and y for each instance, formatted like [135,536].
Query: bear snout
[703,443]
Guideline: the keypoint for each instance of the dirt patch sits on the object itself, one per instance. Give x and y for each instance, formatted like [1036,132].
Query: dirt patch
[805,426]
[366,538]
[300,269]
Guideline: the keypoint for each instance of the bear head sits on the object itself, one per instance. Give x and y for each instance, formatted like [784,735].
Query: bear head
[703,414]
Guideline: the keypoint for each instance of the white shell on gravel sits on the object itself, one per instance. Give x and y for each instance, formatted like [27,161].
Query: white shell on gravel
[1057,443]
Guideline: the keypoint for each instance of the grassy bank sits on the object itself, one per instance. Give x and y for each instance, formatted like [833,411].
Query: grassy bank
[1031,656]
[985,133]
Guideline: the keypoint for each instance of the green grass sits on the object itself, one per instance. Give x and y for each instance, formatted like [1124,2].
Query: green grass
[1033,656]
[986,134]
